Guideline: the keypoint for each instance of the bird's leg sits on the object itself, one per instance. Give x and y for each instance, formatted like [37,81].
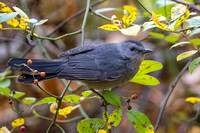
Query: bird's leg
[105,103]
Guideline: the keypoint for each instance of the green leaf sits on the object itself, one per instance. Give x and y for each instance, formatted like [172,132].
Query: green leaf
[157,35]
[148,66]
[111,98]
[194,32]
[145,80]
[45,100]
[4,83]
[18,94]
[115,117]
[179,44]
[72,98]
[86,93]
[89,125]
[140,121]
[165,10]
[29,100]
[2,75]
[4,91]
[171,39]
[41,22]
[194,64]
[194,22]
[8,16]
[195,41]
[186,54]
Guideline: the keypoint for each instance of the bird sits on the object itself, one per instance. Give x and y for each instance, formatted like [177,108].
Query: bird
[100,66]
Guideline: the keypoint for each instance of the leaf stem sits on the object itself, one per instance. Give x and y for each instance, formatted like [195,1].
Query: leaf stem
[46,91]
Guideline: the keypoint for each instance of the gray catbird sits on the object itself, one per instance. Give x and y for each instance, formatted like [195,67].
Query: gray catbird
[100,66]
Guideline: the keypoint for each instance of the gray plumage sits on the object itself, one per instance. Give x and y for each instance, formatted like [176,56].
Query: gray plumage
[98,66]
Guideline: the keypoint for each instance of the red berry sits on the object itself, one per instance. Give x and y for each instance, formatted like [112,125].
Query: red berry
[22,128]
[134,96]
[42,74]
[35,71]
[29,62]
[35,81]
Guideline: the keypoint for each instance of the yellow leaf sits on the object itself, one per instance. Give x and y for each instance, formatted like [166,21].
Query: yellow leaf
[130,19]
[159,24]
[131,31]
[148,66]
[23,24]
[177,11]
[13,22]
[180,20]
[65,111]
[18,122]
[186,54]
[2,4]
[53,107]
[110,27]
[145,80]
[124,19]
[130,9]
[4,8]
[102,131]
[1,26]
[192,99]
[4,130]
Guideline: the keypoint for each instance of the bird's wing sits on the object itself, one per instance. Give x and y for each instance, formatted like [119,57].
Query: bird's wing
[77,50]
[93,67]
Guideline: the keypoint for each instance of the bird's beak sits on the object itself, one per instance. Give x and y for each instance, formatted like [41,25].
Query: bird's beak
[147,51]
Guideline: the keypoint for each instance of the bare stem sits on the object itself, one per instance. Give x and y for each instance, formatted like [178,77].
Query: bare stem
[168,95]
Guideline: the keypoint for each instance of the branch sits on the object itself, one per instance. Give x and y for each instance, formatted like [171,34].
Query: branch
[169,93]
[59,103]
[188,4]
[72,17]
[84,22]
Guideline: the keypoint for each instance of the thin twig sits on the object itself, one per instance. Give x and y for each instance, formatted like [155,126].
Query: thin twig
[46,91]
[84,22]
[60,37]
[188,4]
[168,95]
[144,7]
[59,103]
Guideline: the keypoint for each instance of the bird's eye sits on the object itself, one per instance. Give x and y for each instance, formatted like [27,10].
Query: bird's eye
[132,48]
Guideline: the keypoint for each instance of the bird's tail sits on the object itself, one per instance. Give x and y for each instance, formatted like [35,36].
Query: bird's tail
[50,67]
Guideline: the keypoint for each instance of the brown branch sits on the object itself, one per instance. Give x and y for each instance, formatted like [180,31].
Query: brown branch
[169,93]
[72,17]
[193,6]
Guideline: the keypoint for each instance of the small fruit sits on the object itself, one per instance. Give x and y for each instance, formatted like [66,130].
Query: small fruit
[22,128]
[29,62]
[35,81]
[35,71]
[134,96]
[42,74]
